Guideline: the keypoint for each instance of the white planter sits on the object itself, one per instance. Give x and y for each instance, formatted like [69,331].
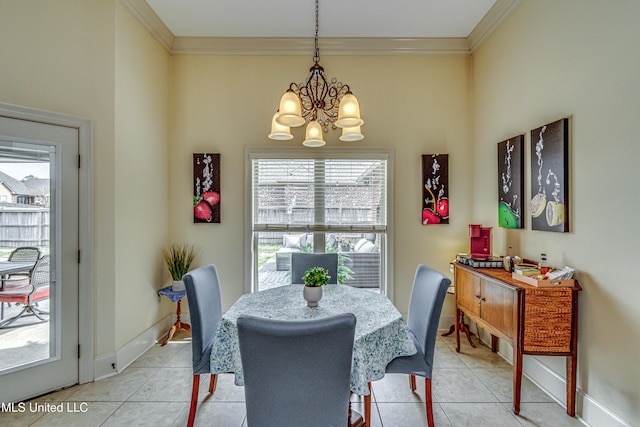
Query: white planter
[312,294]
[177,286]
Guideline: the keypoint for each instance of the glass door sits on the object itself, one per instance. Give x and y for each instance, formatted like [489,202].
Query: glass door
[38,258]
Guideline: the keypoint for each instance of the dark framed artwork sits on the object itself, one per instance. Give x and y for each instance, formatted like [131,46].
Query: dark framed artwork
[550,177]
[206,188]
[435,189]
[511,182]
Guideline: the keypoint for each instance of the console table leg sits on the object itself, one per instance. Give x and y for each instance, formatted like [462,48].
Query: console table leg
[517,379]
[572,367]
[465,328]
[457,326]
[452,329]
[494,343]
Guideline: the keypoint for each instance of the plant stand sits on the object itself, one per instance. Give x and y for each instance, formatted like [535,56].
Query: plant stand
[175,296]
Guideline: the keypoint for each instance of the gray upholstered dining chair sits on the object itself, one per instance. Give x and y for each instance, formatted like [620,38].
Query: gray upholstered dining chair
[297,372]
[425,306]
[205,309]
[301,262]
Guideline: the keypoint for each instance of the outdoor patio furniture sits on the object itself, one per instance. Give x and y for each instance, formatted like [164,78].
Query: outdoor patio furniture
[19,255]
[25,253]
[291,243]
[364,262]
[365,269]
[28,291]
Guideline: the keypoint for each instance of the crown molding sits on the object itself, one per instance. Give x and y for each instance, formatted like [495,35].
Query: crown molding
[148,18]
[490,22]
[329,45]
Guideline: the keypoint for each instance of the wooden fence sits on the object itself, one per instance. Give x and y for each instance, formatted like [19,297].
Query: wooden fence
[24,226]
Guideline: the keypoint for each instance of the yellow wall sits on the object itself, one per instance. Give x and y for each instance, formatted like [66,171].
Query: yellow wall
[418,105]
[151,112]
[142,177]
[59,56]
[578,59]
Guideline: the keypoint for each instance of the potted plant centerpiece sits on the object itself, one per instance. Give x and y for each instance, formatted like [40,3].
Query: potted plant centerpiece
[314,279]
[178,258]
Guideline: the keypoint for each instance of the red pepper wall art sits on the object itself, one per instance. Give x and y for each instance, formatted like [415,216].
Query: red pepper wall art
[206,187]
[435,190]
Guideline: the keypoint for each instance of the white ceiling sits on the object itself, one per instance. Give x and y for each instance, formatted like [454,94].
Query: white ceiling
[346,27]
[338,18]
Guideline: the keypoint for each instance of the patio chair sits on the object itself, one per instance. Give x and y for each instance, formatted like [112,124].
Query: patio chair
[28,291]
[297,372]
[21,254]
[301,262]
[425,306]
[205,308]
[24,254]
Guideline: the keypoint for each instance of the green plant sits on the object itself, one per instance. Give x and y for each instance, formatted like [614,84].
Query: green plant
[316,276]
[344,272]
[178,258]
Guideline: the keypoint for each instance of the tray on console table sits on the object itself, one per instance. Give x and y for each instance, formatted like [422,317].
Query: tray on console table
[533,320]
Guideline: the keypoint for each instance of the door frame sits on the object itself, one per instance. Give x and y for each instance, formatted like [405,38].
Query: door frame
[85,222]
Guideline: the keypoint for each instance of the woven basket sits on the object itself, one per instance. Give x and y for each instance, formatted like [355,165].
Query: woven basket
[547,320]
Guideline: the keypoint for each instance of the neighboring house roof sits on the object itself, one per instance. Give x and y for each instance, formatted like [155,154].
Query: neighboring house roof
[13,185]
[36,186]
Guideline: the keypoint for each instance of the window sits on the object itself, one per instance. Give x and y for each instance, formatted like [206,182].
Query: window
[328,200]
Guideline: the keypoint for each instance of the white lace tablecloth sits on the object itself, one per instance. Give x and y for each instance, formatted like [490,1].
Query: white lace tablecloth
[381,333]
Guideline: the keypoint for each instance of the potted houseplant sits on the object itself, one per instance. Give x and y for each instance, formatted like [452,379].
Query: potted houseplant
[314,278]
[178,258]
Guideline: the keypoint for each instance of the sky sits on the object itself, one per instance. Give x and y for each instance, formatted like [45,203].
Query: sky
[20,170]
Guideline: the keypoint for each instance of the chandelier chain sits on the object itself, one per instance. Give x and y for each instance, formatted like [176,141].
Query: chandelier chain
[316,53]
[319,102]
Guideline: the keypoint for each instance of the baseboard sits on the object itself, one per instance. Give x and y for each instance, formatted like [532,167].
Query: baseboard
[113,363]
[588,410]
[446,321]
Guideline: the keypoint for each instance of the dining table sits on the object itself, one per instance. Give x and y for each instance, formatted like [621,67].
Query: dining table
[381,333]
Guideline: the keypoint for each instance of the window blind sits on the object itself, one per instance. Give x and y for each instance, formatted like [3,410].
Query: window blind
[319,194]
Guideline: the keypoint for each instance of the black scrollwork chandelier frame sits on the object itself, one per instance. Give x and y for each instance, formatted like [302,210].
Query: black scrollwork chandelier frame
[320,103]
[319,98]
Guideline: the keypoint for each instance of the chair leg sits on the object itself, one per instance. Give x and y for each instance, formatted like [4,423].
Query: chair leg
[28,310]
[212,383]
[367,407]
[194,400]
[428,401]
[412,382]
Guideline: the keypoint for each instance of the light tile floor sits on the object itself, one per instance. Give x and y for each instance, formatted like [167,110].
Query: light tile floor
[471,388]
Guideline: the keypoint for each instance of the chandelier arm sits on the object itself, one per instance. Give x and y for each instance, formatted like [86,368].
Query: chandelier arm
[320,99]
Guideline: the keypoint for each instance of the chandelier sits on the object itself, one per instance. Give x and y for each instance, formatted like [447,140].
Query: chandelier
[320,103]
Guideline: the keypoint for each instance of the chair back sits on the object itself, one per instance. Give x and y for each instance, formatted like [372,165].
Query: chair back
[301,262]
[425,306]
[205,309]
[25,254]
[297,372]
[41,274]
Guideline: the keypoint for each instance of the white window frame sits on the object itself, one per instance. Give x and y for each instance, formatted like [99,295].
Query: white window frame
[263,152]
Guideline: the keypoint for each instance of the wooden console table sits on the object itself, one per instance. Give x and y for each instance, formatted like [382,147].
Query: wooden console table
[533,320]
